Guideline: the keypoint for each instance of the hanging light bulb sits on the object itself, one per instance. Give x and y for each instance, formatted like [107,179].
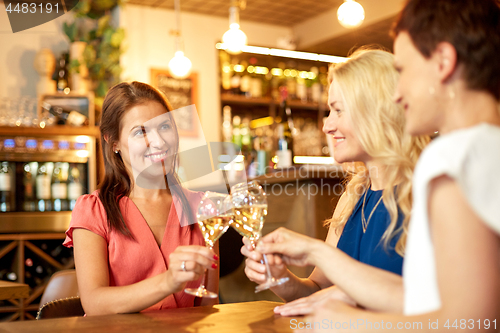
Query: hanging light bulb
[350,14]
[180,65]
[234,39]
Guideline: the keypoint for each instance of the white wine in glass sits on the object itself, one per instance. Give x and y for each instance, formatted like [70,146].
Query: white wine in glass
[215,213]
[214,227]
[250,209]
[249,220]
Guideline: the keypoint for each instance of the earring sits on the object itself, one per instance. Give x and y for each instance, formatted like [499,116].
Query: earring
[432,90]
[117,151]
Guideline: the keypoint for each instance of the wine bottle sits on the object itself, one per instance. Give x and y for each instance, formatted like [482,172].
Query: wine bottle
[43,187]
[256,80]
[75,187]
[7,203]
[284,133]
[29,174]
[62,72]
[64,116]
[59,187]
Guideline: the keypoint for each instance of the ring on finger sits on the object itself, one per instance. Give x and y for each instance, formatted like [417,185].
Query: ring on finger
[183,266]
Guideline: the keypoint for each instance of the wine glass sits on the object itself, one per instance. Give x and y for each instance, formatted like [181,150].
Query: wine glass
[214,215]
[250,209]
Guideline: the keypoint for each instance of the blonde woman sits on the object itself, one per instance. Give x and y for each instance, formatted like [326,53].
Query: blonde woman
[370,221]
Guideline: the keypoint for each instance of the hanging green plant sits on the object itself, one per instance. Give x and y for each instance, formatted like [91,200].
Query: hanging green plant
[93,24]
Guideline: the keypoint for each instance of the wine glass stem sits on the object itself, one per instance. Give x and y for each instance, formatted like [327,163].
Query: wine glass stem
[268,270]
[202,284]
[253,241]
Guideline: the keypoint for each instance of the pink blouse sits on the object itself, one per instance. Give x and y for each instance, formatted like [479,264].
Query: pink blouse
[133,260]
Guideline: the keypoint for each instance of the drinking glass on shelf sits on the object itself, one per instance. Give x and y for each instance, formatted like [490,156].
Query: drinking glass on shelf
[250,209]
[214,215]
[4,111]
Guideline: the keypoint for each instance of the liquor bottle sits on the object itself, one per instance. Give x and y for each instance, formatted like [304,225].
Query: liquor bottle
[227,127]
[29,198]
[245,85]
[301,90]
[235,79]
[246,141]
[284,133]
[59,187]
[246,138]
[75,187]
[255,81]
[7,199]
[62,72]
[224,59]
[43,187]
[316,86]
[237,131]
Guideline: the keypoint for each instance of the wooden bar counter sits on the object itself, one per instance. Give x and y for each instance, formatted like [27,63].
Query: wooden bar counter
[230,318]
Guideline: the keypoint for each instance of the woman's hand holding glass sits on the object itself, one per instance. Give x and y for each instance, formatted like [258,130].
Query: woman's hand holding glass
[188,263]
[250,209]
[295,249]
[215,213]
[255,269]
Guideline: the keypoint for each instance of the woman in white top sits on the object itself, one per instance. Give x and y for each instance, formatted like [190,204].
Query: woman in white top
[447,54]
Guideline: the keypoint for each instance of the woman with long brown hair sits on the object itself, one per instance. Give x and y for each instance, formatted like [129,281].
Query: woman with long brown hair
[136,243]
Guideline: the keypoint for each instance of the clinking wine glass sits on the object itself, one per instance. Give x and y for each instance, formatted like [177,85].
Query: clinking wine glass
[250,209]
[214,215]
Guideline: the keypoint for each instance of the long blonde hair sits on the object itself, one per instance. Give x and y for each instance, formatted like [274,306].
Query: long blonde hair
[367,82]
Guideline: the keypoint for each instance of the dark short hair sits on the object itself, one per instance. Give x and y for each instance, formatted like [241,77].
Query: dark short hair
[472,27]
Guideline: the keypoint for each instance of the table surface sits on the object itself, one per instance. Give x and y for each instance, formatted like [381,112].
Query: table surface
[10,290]
[230,318]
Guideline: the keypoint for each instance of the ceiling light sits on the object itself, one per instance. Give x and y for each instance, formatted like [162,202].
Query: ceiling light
[234,38]
[285,53]
[180,65]
[350,14]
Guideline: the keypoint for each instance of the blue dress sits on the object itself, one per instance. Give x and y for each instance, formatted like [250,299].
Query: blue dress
[368,247]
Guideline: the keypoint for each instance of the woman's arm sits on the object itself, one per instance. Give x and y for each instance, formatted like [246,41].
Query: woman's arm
[98,298]
[295,287]
[467,256]
[371,287]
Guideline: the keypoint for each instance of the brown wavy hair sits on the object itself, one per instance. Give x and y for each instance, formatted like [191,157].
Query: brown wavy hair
[117,182]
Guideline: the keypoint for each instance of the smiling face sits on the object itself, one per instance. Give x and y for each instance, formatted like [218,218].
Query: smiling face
[148,141]
[418,89]
[339,124]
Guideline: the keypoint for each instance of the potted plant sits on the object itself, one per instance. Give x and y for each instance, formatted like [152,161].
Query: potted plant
[94,26]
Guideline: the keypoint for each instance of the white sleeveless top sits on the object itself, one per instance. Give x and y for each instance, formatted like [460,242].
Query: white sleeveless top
[471,157]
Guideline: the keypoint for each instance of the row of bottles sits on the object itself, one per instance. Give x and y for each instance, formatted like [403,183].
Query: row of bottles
[251,79]
[36,269]
[271,143]
[46,186]
[61,74]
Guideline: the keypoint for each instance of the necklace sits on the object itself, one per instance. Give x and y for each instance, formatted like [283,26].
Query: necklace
[365,222]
